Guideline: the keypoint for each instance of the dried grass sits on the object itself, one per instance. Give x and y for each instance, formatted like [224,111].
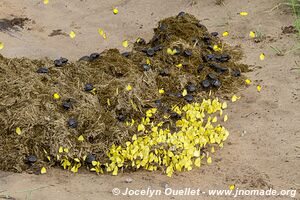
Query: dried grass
[26,97]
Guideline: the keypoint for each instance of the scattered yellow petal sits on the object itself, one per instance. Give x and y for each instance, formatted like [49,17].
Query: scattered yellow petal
[46,2]
[56,96]
[248,81]
[1,45]
[252,34]
[18,131]
[76,159]
[225,34]
[262,56]
[48,157]
[184,93]
[104,35]
[243,13]
[108,101]
[125,43]
[72,34]
[231,187]
[209,160]
[80,138]
[43,170]
[115,11]
[128,88]
[161,91]
[258,88]
[225,118]
[66,150]
[60,150]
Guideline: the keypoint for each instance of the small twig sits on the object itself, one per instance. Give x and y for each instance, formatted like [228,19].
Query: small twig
[6,197]
[278,51]
[196,43]
[281,4]
[34,189]
[247,115]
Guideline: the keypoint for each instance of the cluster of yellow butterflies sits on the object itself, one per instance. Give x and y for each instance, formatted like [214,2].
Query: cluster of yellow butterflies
[197,136]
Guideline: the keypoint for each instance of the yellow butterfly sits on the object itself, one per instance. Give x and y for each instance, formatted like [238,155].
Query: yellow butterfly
[234,98]
[115,11]
[225,34]
[258,88]
[125,43]
[209,161]
[128,87]
[243,13]
[184,93]
[248,81]
[43,170]
[18,131]
[72,35]
[262,56]
[217,48]
[1,45]
[81,138]
[171,52]
[56,96]
[252,34]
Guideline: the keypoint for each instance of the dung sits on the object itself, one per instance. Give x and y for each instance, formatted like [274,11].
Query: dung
[104,113]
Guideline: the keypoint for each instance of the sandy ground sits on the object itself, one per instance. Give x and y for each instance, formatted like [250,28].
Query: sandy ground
[263,149]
